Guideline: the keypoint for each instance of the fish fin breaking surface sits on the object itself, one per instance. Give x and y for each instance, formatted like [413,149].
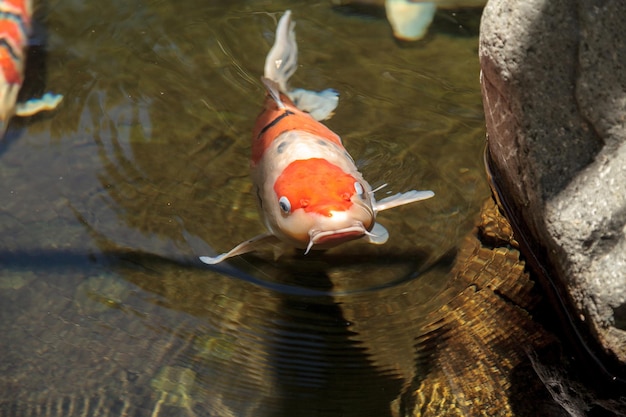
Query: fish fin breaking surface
[32,106]
[401,199]
[320,105]
[244,247]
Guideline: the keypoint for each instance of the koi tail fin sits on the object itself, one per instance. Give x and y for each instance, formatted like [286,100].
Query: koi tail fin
[282,60]
[274,91]
[281,63]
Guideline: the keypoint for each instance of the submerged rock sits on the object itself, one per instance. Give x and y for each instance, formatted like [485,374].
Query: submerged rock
[495,354]
[554,91]
[488,332]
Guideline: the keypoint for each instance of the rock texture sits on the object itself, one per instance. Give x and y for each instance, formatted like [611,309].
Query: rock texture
[554,92]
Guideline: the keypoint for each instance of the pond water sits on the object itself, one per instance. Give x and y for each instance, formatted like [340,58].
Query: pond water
[106,203]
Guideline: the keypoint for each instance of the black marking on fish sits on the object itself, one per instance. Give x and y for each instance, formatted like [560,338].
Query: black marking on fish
[6,41]
[6,44]
[274,122]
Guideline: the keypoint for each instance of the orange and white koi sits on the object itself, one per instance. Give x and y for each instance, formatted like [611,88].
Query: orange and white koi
[311,195]
[15,28]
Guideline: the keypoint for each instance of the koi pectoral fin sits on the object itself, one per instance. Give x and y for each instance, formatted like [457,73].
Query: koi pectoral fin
[401,199]
[378,235]
[48,101]
[244,247]
[320,105]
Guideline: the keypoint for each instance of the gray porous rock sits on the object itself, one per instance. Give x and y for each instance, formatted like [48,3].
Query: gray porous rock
[554,91]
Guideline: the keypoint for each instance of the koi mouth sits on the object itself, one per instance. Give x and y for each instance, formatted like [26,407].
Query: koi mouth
[324,237]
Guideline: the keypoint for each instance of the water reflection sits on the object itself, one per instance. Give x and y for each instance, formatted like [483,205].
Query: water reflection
[285,354]
[145,166]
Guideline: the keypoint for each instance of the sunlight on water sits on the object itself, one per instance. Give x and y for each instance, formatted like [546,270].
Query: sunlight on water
[109,200]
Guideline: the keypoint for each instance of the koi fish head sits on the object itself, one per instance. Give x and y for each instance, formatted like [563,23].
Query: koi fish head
[319,206]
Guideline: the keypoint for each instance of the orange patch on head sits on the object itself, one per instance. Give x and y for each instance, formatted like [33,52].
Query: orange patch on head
[316,185]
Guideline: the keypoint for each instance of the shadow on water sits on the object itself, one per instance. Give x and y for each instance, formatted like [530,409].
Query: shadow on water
[294,350]
[245,351]
[305,359]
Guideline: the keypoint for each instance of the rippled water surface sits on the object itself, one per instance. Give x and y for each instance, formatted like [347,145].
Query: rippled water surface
[106,203]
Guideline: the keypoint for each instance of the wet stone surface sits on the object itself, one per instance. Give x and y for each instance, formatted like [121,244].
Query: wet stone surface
[554,101]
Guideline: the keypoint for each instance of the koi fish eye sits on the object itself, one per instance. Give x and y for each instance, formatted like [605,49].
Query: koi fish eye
[284,204]
[359,189]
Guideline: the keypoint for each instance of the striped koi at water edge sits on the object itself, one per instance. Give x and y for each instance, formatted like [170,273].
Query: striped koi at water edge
[311,195]
[15,28]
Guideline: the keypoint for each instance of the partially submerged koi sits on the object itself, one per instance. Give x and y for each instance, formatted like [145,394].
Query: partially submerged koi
[15,28]
[310,193]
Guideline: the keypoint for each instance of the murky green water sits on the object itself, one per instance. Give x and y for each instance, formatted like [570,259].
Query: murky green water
[106,203]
